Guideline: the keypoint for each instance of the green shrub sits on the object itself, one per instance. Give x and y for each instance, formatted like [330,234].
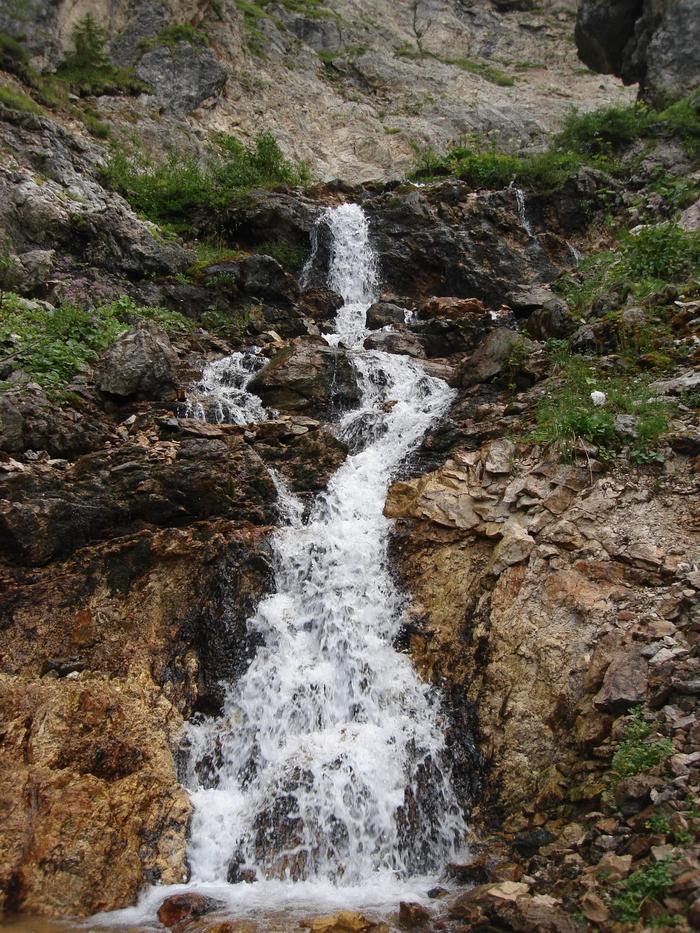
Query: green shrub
[174,33]
[635,754]
[53,346]
[87,68]
[650,883]
[663,252]
[172,190]
[643,263]
[602,132]
[16,100]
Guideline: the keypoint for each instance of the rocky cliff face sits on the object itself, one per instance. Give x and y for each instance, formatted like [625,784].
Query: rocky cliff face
[653,44]
[351,87]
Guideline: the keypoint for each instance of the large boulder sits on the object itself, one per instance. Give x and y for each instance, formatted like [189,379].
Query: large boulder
[401,342]
[141,364]
[445,240]
[182,75]
[501,347]
[256,276]
[29,420]
[308,376]
[653,42]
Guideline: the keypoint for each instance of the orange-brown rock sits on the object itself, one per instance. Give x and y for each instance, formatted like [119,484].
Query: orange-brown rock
[103,656]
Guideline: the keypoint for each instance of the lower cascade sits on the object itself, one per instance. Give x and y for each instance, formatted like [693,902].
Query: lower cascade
[328,766]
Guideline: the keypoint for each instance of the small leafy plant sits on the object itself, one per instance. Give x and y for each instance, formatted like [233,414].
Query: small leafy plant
[635,754]
[650,883]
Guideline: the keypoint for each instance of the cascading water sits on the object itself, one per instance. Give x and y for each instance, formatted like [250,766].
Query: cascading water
[327,777]
[221,394]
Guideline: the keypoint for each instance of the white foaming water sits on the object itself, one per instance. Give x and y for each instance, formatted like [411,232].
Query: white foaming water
[221,395]
[522,212]
[327,773]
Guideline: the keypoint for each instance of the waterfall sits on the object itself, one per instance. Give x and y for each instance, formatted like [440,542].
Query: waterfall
[326,778]
[521,208]
[221,395]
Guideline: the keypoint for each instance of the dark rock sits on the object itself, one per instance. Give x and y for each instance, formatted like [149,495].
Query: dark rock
[527,843]
[264,277]
[401,342]
[492,355]
[250,219]
[109,492]
[320,304]
[585,193]
[384,313]
[303,453]
[653,43]
[141,364]
[308,376]
[183,75]
[257,276]
[583,340]
[686,443]
[179,907]
[450,309]
[632,794]
[625,682]
[603,30]
[29,420]
[547,314]
[434,241]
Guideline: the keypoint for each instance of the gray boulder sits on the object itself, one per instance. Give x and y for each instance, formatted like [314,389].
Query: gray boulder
[308,376]
[383,313]
[401,342]
[182,76]
[493,354]
[141,364]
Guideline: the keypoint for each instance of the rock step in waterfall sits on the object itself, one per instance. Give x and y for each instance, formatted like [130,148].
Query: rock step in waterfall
[326,777]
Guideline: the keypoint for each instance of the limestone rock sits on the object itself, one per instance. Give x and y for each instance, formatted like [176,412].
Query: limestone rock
[183,75]
[652,43]
[514,548]
[141,364]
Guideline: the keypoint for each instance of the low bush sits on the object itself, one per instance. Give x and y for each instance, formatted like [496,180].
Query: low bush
[174,33]
[644,262]
[650,883]
[635,753]
[53,346]
[173,190]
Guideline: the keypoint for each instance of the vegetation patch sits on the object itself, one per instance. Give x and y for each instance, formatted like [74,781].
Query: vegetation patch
[17,100]
[635,753]
[645,261]
[569,413]
[596,139]
[88,70]
[173,190]
[52,346]
[650,883]
[174,34]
